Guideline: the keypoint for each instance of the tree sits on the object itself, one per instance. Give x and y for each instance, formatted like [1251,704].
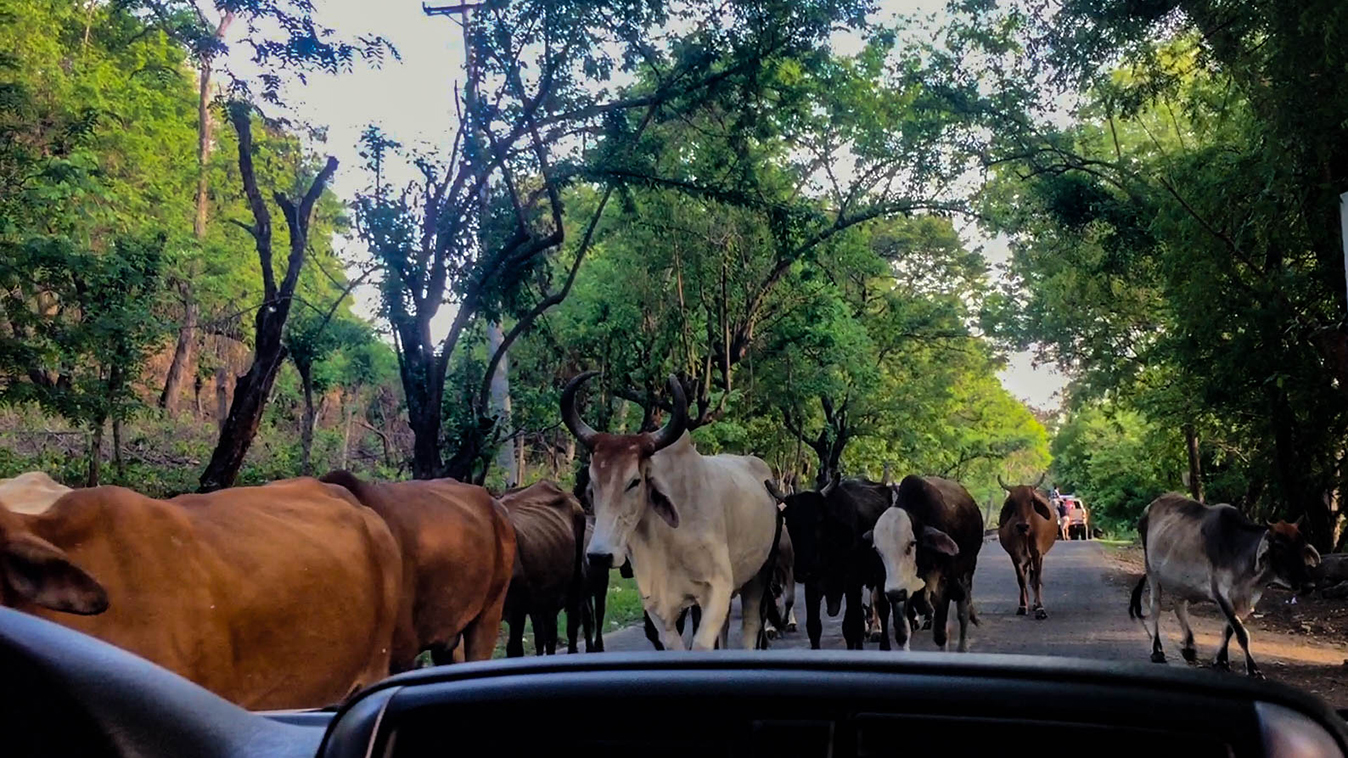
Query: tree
[269,350]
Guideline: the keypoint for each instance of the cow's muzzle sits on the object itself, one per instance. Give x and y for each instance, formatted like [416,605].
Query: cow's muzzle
[897,597]
[1023,528]
[600,561]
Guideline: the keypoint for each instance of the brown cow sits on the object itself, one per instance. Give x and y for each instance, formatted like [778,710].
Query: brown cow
[550,542]
[282,596]
[458,551]
[1027,531]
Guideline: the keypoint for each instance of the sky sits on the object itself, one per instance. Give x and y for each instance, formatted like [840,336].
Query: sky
[411,100]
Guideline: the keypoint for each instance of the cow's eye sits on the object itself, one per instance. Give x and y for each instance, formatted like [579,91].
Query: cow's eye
[633,484]
[910,547]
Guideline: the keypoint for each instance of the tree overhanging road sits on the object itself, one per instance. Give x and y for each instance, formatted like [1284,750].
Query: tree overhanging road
[1086,596]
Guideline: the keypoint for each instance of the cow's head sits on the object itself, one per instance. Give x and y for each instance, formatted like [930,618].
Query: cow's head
[34,572]
[1286,556]
[622,490]
[824,535]
[897,539]
[1023,502]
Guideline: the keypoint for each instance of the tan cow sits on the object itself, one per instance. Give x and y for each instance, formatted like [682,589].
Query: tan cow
[697,528]
[1027,530]
[32,492]
[281,596]
[458,552]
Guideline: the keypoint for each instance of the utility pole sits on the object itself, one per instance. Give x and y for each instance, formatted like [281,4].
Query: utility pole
[500,380]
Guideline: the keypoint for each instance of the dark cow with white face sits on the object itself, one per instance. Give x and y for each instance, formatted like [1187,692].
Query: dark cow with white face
[1198,553]
[941,529]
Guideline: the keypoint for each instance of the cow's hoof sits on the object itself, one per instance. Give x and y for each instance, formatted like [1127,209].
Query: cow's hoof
[1040,614]
[1020,611]
[1157,656]
[1221,665]
[1255,674]
[791,627]
[1190,655]
[874,637]
[926,623]
[772,634]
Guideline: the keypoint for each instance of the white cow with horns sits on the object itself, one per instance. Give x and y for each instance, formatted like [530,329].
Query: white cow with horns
[697,528]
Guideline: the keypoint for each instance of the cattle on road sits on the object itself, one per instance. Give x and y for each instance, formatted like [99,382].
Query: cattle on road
[31,492]
[698,529]
[1198,553]
[832,561]
[1027,530]
[939,507]
[458,555]
[784,586]
[549,557]
[281,596]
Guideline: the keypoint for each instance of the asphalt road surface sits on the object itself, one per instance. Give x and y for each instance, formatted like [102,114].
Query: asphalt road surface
[1087,604]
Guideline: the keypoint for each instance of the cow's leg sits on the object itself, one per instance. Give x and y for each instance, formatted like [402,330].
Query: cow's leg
[881,604]
[573,624]
[854,620]
[1037,578]
[550,632]
[715,608]
[814,627]
[789,601]
[753,596]
[940,634]
[653,633]
[1189,652]
[964,610]
[1020,580]
[599,594]
[540,626]
[1222,662]
[1242,635]
[1157,655]
[515,642]
[902,632]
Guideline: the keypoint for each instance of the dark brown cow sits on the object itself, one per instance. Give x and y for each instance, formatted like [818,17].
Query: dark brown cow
[549,549]
[282,596]
[458,551]
[1027,530]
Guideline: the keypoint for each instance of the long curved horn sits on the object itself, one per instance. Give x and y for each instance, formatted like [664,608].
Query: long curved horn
[832,483]
[678,418]
[1005,486]
[584,433]
[1041,479]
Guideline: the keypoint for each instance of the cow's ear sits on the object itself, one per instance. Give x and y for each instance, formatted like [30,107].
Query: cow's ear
[1261,552]
[868,537]
[1041,508]
[42,573]
[1311,556]
[939,541]
[660,503]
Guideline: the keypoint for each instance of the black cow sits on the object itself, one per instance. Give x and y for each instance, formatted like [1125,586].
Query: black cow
[832,560]
[1199,553]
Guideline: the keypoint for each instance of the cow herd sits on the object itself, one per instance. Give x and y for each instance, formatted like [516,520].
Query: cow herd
[299,592]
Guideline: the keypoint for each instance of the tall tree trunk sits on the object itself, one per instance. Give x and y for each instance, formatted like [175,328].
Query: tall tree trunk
[1195,463]
[500,406]
[95,454]
[117,461]
[254,387]
[222,394]
[1297,493]
[348,414]
[187,333]
[182,351]
[196,394]
[307,423]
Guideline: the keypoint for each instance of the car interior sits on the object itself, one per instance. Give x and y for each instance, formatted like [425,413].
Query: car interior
[88,698]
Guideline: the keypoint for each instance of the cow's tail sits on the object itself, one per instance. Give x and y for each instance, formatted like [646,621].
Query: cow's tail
[1135,603]
[767,608]
[579,595]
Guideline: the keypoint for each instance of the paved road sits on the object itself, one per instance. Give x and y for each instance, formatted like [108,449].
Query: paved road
[1087,606]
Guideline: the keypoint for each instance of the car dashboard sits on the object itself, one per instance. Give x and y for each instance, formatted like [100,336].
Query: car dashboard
[68,694]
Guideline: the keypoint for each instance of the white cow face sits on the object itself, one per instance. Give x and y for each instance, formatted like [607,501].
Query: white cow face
[622,491]
[894,540]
